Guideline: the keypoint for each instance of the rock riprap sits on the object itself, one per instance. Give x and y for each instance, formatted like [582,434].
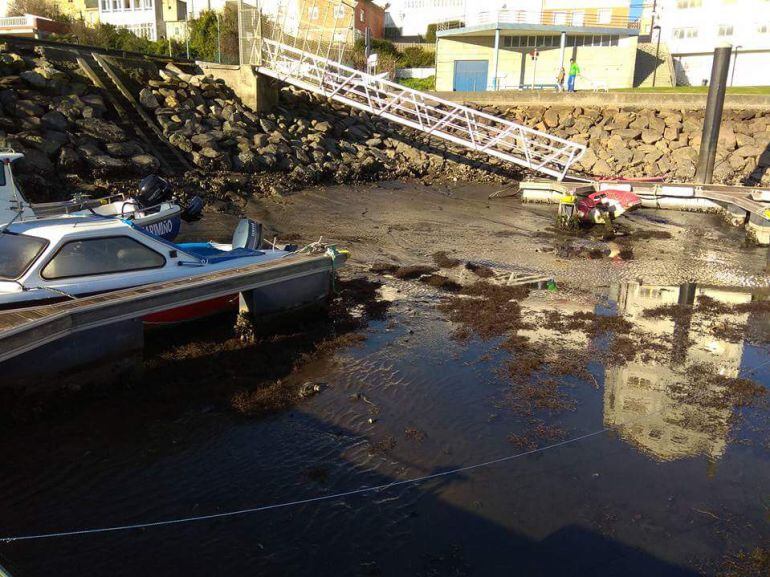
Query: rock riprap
[61,123]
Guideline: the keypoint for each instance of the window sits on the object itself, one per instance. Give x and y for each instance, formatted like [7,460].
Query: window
[684,4]
[577,18]
[763,28]
[685,33]
[725,30]
[17,253]
[361,15]
[313,12]
[560,18]
[605,15]
[339,11]
[101,256]
[106,5]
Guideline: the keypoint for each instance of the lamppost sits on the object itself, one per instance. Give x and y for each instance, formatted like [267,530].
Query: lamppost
[735,63]
[219,42]
[657,53]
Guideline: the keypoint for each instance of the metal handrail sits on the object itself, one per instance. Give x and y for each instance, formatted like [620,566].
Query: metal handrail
[479,131]
[577,18]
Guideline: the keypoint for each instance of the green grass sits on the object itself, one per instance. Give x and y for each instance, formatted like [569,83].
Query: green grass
[697,90]
[428,83]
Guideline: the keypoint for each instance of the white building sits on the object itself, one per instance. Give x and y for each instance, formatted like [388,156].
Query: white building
[412,17]
[691,29]
[152,19]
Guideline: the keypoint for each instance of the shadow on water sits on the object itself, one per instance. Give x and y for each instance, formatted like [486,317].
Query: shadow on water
[172,447]
[432,536]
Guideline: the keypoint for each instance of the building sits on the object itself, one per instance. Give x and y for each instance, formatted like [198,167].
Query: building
[29,26]
[411,18]
[369,15]
[691,29]
[492,47]
[645,400]
[86,10]
[151,19]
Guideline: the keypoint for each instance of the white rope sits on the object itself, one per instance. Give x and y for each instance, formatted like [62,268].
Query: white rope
[197,518]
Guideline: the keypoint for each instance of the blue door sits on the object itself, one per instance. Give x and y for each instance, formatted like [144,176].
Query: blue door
[470,75]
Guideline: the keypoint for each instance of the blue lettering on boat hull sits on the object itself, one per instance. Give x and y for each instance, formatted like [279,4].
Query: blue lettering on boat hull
[167,228]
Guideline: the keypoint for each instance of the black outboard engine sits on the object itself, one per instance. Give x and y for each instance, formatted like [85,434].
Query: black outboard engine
[153,190]
[194,209]
[248,234]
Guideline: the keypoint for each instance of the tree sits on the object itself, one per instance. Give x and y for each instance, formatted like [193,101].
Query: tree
[44,8]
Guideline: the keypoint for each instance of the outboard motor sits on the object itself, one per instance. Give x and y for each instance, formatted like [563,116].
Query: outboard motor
[248,234]
[194,209]
[153,190]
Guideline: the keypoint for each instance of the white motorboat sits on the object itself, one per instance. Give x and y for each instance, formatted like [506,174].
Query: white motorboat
[47,260]
[151,209]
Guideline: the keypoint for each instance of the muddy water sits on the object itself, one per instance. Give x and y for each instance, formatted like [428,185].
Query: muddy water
[660,492]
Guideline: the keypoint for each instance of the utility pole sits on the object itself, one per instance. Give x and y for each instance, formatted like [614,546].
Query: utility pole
[735,64]
[657,54]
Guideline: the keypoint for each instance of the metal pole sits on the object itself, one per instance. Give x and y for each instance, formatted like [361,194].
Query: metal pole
[219,42]
[735,64]
[496,58]
[713,116]
[563,49]
[367,42]
[657,54]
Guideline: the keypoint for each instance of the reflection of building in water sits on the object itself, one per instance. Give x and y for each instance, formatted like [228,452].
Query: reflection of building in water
[541,304]
[640,397]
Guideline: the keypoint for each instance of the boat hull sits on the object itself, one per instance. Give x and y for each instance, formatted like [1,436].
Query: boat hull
[193,312]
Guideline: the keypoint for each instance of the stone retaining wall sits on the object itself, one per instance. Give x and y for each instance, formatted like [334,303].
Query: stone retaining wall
[634,142]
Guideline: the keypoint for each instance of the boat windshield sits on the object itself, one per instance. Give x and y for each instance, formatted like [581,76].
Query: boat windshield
[17,253]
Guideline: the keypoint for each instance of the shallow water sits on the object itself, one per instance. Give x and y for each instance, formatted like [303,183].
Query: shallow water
[654,494]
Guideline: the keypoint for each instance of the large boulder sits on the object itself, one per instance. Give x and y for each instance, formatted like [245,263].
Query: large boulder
[55,120]
[69,160]
[147,99]
[145,163]
[123,149]
[102,130]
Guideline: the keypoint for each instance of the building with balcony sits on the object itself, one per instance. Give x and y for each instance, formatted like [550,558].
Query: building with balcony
[29,26]
[411,18]
[151,19]
[691,29]
[493,47]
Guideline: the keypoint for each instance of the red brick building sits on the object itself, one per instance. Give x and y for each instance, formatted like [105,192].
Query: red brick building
[369,15]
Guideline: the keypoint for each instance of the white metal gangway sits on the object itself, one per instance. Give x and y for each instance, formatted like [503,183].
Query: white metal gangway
[516,143]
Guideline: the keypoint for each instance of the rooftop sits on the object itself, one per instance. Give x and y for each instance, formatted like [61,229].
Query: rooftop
[538,21]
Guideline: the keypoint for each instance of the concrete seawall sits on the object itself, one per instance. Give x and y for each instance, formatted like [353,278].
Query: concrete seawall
[657,100]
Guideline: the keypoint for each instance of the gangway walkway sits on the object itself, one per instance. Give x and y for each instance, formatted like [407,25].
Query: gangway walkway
[485,133]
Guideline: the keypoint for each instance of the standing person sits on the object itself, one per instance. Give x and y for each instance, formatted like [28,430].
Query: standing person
[574,70]
[560,79]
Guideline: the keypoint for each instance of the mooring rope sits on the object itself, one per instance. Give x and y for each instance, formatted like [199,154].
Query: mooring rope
[257,509]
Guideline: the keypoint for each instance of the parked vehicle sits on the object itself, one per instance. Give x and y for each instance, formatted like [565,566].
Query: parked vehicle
[152,208]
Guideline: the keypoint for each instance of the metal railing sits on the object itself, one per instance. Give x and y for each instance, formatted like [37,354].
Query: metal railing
[485,133]
[576,18]
[17,21]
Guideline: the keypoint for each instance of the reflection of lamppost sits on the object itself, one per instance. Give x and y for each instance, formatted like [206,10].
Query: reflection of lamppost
[735,64]
[657,52]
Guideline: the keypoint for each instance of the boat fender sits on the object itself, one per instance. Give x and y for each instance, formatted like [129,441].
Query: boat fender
[248,234]
[194,209]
